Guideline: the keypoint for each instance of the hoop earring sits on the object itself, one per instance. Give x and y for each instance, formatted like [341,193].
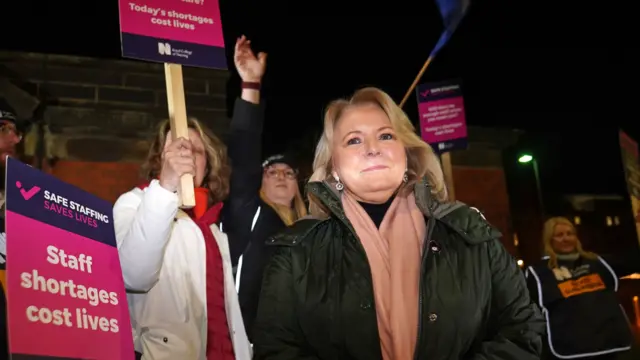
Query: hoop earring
[405,178]
[339,185]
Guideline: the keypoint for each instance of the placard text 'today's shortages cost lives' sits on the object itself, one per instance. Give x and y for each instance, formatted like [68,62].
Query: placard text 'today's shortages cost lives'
[185,32]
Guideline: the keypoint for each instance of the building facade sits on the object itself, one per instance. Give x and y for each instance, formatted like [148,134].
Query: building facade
[93,118]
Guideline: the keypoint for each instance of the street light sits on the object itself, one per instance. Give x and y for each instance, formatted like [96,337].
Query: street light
[528,158]
[525,158]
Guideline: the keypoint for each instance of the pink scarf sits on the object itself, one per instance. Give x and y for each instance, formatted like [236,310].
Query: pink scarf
[394,252]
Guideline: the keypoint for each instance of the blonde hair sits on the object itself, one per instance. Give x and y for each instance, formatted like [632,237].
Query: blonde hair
[287,214]
[548,231]
[218,170]
[421,159]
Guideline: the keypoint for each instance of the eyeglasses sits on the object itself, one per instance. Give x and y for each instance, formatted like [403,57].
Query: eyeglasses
[10,129]
[288,173]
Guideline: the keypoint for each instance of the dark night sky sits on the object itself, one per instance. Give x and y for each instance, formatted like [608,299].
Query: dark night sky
[528,65]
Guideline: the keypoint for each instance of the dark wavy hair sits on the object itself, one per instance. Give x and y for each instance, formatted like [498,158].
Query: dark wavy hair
[218,170]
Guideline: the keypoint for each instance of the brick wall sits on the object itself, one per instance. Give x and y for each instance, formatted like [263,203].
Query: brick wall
[480,180]
[107,180]
[485,189]
[104,110]
[96,116]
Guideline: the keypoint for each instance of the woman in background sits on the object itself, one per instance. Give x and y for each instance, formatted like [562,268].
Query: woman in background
[576,291]
[176,264]
[264,198]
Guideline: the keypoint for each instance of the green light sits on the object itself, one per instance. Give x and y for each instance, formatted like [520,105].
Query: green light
[525,158]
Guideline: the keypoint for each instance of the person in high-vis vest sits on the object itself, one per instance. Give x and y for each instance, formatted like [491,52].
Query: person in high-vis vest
[576,291]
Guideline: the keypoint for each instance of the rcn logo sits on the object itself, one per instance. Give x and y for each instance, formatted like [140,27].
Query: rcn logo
[164,48]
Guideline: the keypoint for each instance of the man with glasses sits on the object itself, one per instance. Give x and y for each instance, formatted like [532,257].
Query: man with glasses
[10,137]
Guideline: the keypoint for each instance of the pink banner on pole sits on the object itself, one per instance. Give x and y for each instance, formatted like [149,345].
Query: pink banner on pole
[190,21]
[442,118]
[185,32]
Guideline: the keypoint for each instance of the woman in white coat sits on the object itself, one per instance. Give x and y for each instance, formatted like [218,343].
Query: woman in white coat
[176,263]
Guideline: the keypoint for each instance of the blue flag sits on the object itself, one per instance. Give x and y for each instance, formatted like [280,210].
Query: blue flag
[452,11]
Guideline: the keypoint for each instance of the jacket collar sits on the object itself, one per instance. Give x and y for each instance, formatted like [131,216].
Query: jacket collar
[326,193]
[468,222]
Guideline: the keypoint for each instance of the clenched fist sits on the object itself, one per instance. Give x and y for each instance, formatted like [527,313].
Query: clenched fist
[177,159]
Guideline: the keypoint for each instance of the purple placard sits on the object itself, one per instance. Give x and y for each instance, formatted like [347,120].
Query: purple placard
[65,293]
[442,118]
[186,32]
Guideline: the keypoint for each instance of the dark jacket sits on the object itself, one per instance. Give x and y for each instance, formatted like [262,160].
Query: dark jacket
[584,318]
[246,219]
[317,296]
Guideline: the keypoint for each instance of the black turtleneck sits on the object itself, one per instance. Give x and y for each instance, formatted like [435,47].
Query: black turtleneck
[377,211]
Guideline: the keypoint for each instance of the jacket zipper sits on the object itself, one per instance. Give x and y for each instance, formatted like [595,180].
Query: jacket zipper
[425,253]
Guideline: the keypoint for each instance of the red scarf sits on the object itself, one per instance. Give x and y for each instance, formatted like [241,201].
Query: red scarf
[219,345]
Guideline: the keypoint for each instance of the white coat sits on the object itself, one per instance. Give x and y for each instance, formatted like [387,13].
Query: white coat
[162,254]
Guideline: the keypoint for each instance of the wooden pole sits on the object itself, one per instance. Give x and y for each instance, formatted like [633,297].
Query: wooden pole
[445,158]
[447,168]
[179,127]
[416,80]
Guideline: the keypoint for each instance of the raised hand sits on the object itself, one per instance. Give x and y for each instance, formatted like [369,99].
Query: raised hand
[177,160]
[250,67]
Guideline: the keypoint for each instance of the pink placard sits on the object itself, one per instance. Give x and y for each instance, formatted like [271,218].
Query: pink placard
[191,21]
[56,310]
[442,120]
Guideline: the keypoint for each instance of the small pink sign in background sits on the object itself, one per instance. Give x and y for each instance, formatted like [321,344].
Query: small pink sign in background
[442,120]
[191,21]
[91,329]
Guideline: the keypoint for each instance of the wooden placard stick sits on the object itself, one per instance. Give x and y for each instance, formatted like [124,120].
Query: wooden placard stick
[447,168]
[179,127]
